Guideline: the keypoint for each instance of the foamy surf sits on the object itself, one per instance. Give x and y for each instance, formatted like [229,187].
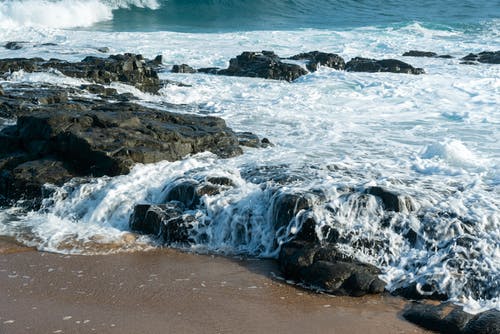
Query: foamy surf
[62,13]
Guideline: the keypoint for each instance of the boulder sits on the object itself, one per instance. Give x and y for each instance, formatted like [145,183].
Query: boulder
[392,201]
[416,53]
[265,64]
[165,221]
[443,318]
[316,59]
[487,322]
[489,57]
[359,64]
[14,45]
[185,192]
[324,267]
[285,206]
[447,318]
[183,68]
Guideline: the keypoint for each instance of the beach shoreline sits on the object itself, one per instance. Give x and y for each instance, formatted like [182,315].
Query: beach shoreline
[167,291]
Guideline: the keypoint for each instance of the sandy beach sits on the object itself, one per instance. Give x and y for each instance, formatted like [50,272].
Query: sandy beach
[166,291]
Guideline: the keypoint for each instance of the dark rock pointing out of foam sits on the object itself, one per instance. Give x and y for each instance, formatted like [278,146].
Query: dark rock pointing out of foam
[451,319]
[127,68]
[489,57]
[359,64]
[268,65]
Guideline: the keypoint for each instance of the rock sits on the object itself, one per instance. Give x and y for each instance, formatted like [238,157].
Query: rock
[27,179]
[209,70]
[327,269]
[127,68]
[415,53]
[489,57]
[14,45]
[186,193]
[100,90]
[359,64]
[165,221]
[1,91]
[183,68]
[392,201]
[285,206]
[316,58]
[221,181]
[265,64]
[444,318]
[484,323]
[92,137]
[103,49]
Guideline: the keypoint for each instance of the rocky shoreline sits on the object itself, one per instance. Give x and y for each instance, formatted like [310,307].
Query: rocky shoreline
[61,133]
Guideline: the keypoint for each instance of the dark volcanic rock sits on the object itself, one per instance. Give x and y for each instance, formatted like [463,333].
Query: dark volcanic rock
[490,57]
[249,139]
[183,68]
[265,64]
[359,64]
[484,323]
[443,318]
[328,269]
[128,68]
[165,221]
[451,319]
[416,53]
[92,137]
[14,45]
[186,193]
[316,58]
[286,206]
[391,200]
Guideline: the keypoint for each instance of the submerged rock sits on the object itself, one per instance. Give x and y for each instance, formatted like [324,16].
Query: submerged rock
[359,64]
[14,45]
[316,59]
[489,57]
[265,64]
[416,53]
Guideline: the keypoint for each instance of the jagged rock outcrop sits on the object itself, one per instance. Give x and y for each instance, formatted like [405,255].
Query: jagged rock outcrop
[317,58]
[360,64]
[488,57]
[56,138]
[127,68]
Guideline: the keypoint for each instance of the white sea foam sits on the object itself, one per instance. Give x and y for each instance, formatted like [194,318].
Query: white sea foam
[62,13]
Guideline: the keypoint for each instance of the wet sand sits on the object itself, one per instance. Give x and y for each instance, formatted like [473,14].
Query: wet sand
[166,291]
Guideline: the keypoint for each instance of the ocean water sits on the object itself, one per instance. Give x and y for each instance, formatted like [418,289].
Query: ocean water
[433,137]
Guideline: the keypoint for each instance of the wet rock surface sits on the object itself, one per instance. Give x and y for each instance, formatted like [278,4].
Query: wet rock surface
[315,59]
[488,57]
[127,68]
[59,135]
[428,54]
[328,269]
[447,318]
[360,64]
[265,64]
